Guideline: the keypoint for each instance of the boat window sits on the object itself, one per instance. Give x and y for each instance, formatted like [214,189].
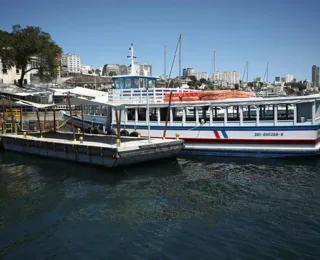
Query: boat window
[266,112]
[285,112]
[131,115]
[85,109]
[204,113]
[97,110]
[233,113]
[177,113]
[217,113]
[153,114]
[191,114]
[163,114]
[304,112]
[128,83]
[104,111]
[91,110]
[141,114]
[249,113]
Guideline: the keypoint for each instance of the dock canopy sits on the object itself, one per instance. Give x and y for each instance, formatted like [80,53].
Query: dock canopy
[78,91]
[6,102]
[78,101]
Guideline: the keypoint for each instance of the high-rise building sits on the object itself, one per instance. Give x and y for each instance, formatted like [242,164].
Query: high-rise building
[316,76]
[230,77]
[201,75]
[139,69]
[70,63]
[187,72]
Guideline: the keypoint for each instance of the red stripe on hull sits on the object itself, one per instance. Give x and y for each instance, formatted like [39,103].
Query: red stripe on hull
[216,134]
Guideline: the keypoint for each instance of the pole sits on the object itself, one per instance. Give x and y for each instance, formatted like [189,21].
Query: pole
[82,117]
[247,70]
[4,117]
[21,118]
[180,52]
[148,114]
[167,117]
[72,123]
[39,124]
[54,120]
[12,116]
[44,119]
[165,63]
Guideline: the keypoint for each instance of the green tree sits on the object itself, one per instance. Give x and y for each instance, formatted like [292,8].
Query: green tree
[193,78]
[98,71]
[30,49]
[202,80]
[191,83]
[236,86]
[112,73]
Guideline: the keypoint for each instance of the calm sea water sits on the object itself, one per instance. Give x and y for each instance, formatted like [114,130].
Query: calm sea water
[189,208]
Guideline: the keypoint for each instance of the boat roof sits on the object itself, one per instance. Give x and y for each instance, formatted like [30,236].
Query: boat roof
[80,91]
[135,76]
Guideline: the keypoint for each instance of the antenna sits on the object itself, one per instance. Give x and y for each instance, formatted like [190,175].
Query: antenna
[132,58]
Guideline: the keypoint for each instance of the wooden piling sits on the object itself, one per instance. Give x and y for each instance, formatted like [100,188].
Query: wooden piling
[4,117]
[72,123]
[39,124]
[54,120]
[12,117]
[82,117]
[167,117]
[44,119]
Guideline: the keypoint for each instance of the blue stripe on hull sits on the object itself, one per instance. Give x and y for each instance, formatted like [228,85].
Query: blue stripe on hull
[231,153]
[226,128]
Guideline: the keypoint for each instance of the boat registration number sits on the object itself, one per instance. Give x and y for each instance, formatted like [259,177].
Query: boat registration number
[268,134]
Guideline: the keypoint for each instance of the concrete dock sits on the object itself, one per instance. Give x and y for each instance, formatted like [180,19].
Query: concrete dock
[94,149]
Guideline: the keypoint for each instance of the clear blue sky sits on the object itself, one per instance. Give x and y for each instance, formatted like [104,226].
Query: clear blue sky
[285,33]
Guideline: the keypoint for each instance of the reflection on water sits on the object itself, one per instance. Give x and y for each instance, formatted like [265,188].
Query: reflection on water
[192,207]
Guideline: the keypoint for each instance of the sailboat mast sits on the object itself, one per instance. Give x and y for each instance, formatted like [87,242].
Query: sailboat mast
[247,71]
[165,63]
[180,52]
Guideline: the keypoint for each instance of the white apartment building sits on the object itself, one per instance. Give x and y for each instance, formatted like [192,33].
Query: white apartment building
[232,77]
[71,63]
[12,75]
[201,75]
[287,79]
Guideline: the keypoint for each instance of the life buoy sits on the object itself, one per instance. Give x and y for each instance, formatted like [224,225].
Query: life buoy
[134,134]
[124,132]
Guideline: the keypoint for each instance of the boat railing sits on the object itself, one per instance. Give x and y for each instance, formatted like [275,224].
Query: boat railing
[139,95]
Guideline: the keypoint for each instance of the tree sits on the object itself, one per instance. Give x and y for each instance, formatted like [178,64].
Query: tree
[30,49]
[193,78]
[236,86]
[112,73]
[202,80]
[98,71]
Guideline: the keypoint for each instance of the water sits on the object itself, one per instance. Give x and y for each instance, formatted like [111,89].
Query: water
[190,208]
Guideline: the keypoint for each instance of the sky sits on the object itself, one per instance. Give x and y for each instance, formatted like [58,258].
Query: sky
[285,33]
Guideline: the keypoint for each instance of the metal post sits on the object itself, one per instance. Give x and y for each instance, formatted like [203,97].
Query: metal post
[39,124]
[71,117]
[167,117]
[148,114]
[82,117]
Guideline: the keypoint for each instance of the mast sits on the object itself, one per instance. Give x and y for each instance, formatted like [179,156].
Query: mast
[180,51]
[132,58]
[213,69]
[247,70]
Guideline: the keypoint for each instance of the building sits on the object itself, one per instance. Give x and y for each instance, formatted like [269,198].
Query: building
[277,79]
[70,63]
[86,69]
[287,79]
[258,79]
[13,74]
[201,75]
[187,72]
[316,76]
[232,77]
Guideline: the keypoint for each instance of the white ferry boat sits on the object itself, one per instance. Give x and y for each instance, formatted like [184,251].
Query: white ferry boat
[249,126]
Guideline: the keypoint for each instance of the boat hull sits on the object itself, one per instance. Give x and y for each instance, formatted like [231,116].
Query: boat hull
[235,141]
